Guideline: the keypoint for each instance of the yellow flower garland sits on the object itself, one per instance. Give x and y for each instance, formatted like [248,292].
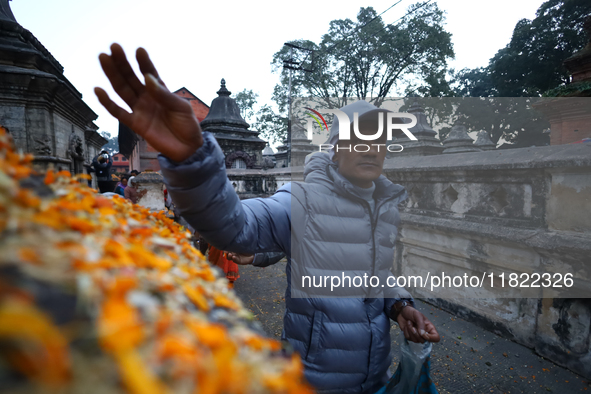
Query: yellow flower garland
[144,298]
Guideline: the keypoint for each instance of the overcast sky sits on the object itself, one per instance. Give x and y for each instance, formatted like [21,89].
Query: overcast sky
[195,44]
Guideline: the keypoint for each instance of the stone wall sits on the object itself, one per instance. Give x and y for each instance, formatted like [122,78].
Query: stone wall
[251,183]
[521,210]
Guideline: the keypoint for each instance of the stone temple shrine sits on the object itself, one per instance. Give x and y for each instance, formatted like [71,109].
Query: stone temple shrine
[39,107]
[242,147]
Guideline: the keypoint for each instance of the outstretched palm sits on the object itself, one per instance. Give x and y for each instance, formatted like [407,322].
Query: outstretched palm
[163,119]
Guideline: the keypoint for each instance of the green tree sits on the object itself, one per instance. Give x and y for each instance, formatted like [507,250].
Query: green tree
[512,118]
[246,100]
[532,62]
[475,82]
[529,65]
[272,126]
[367,59]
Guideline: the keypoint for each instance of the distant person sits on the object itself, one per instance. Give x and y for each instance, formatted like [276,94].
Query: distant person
[121,186]
[220,259]
[130,192]
[135,172]
[102,166]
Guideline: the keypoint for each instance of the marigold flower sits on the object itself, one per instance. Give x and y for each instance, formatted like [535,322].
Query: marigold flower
[137,280]
[44,356]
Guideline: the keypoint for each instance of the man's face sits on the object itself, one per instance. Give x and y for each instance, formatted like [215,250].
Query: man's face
[359,167]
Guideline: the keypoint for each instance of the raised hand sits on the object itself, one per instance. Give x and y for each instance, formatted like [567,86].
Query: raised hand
[165,120]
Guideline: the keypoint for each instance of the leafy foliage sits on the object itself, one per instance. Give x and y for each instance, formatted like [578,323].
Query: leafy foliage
[531,64]
[367,59]
[577,89]
[272,126]
[246,100]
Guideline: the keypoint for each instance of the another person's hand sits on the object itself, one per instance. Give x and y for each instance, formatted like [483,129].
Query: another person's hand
[416,327]
[241,259]
[165,120]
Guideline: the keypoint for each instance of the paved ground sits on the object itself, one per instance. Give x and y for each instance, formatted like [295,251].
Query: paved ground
[469,359]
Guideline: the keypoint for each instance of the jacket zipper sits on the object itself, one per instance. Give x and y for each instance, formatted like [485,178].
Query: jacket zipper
[374,221]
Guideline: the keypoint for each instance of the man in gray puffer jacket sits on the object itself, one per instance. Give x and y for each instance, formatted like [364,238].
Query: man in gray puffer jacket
[343,219]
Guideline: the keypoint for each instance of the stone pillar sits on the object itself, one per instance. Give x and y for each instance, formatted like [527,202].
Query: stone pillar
[427,144]
[301,146]
[484,142]
[458,140]
[150,187]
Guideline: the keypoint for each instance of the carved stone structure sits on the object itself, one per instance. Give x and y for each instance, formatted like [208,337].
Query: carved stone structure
[268,157]
[458,140]
[484,142]
[517,210]
[427,144]
[242,147]
[150,188]
[301,146]
[281,156]
[252,183]
[41,109]
[76,153]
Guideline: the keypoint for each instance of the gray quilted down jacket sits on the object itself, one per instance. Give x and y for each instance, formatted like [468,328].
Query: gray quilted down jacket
[344,342]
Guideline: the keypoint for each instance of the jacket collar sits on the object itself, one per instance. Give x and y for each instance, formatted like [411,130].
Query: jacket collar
[321,169]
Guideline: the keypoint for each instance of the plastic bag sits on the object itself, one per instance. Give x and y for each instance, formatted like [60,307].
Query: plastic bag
[412,375]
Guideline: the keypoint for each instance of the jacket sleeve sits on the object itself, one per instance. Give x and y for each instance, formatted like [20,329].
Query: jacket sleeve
[267,259]
[206,199]
[389,303]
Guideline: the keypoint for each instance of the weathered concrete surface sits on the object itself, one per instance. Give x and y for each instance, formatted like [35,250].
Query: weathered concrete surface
[150,188]
[521,211]
[569,203]
[458,362]
[251,183]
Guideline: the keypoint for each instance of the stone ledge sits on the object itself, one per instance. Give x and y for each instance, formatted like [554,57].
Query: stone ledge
[576,155]
[271,171]
[556,242]
[149,177]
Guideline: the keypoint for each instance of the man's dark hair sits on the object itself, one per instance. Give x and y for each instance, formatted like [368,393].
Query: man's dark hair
[135,172]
